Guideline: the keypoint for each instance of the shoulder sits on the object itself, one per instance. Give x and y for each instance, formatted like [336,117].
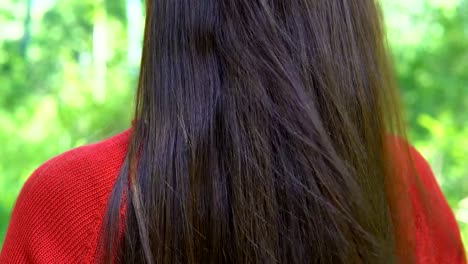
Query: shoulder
[84,165]
[77,173]
[437,234]
[59,209]
[437,227]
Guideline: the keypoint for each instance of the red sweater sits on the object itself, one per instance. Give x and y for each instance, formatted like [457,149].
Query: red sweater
[60,209]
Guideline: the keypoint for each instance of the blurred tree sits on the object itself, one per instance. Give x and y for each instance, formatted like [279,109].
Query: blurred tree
[54,68]
[430,44]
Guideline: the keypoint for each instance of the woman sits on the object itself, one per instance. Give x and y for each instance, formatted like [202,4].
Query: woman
[261,135]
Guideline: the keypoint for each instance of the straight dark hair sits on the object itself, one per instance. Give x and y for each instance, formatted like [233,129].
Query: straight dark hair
[260,136]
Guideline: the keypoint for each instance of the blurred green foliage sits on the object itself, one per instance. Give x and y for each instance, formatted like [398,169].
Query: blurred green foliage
[68,71]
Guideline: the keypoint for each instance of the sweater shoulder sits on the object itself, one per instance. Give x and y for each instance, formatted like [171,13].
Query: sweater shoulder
[437,233]
[79,173]
[60,207]
[88,164]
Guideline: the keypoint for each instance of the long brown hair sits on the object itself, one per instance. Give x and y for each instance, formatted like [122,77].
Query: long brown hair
[259,137]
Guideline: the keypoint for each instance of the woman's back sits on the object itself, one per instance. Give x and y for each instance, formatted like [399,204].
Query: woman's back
[59,212]
[260,136]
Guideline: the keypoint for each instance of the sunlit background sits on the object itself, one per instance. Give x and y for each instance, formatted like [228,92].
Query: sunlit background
[68,71]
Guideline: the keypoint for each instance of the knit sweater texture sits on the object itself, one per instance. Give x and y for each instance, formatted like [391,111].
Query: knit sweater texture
[60,210]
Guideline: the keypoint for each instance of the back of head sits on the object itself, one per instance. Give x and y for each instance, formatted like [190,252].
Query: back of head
[259,136]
